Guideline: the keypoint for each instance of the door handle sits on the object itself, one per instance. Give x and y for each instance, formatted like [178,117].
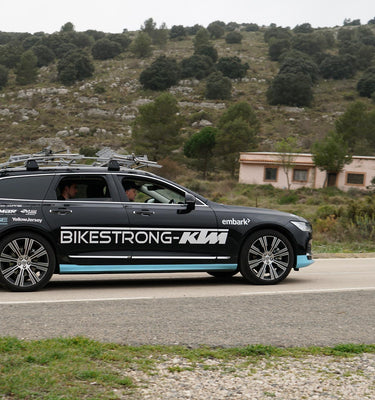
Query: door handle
[60,211]
[144,212]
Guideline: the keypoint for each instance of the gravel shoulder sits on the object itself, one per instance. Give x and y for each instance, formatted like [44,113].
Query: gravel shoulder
[287,378]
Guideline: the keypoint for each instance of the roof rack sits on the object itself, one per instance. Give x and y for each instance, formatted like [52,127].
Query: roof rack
[104,158]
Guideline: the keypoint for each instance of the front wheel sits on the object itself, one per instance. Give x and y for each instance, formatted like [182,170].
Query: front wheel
[267,257]
[27,262]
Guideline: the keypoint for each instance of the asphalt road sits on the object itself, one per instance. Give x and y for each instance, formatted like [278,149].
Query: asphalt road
[330,302]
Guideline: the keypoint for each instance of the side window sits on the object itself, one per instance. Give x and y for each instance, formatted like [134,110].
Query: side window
[145,191]
[92,188]
[300,175]
[32,187]
[353,178]
[270,174]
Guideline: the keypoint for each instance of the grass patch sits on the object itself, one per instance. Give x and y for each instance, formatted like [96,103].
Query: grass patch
[81,368]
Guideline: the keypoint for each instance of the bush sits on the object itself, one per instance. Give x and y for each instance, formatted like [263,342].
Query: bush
[3,76]
[45,56]
[290,90]
[326,211]
[366,85]
[64,49]
[161,74]
[216,29]
[75,66]
[121,38]
[177,32]
[308,43]
[197,66]
[277,33]
[303,28]
[251,27]
[105,49]
[10,54]
[141,45]
[277,47]
[338,67]
[202,38]
[218,87]
[289,198]
[207,50]
[27,71]
[295,62]
[363,54]
[233,37]
[232,67]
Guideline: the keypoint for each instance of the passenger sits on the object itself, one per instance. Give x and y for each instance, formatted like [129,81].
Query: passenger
[68,190]
[131,190]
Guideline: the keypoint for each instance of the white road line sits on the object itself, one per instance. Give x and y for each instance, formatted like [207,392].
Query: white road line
[302,291]
[274,292]
[73,300]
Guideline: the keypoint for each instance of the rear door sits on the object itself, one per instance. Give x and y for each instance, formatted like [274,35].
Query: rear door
[87,229]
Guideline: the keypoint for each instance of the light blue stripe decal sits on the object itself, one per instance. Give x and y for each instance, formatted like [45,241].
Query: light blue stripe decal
[303,261]
[82,269]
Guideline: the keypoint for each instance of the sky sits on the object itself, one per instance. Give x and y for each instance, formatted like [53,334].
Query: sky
[116,15]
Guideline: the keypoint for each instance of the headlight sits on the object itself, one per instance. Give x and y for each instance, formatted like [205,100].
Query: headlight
[303,226]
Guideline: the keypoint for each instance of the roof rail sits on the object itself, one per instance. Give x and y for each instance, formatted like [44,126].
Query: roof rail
[104,158]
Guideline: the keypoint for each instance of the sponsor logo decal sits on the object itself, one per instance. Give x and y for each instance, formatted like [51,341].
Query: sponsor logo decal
[26,211]
[3,220]
[7,212]
[232,221]
[123,236]
[21,219]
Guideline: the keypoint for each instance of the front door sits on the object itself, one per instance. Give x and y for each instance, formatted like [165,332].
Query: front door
[331,179]
[165,235]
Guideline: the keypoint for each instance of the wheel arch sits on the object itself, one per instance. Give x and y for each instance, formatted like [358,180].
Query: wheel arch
[46,236]
[279,228]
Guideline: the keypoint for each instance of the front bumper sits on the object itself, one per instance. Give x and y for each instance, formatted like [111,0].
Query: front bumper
[303,261]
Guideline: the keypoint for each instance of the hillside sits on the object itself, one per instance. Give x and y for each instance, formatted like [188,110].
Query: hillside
[99,111]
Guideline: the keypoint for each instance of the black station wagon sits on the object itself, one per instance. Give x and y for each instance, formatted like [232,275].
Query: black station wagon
[59,216]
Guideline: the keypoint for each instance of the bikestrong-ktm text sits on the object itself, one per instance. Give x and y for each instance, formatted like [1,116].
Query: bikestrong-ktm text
[78,235]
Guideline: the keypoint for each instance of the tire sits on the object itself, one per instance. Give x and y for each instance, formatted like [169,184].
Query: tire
[27,262]
[267,258]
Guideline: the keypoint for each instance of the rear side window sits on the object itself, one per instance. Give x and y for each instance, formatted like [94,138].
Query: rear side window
[25,187]
[84,187]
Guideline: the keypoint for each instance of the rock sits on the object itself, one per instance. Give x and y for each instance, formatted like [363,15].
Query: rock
[141,102]
[97,112]
[84,130]
[202,123]
[5,112]
[63,133]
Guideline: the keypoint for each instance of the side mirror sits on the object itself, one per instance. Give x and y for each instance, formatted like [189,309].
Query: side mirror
[189,204]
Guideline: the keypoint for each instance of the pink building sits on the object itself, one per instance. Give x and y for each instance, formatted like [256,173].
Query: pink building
[267,168]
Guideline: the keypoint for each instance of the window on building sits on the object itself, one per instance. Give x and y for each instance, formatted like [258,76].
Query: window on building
[270,174]
[355,179]
[300,175]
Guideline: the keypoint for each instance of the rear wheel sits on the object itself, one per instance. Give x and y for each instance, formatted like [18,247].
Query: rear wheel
[266,258]
[27,262]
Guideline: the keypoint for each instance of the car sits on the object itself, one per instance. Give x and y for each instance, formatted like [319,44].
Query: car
[98,229]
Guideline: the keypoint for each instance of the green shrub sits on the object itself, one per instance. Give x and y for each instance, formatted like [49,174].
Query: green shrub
[218,87]
[289,198]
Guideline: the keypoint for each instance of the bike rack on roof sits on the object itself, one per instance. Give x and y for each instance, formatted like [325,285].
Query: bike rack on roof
[104,158]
